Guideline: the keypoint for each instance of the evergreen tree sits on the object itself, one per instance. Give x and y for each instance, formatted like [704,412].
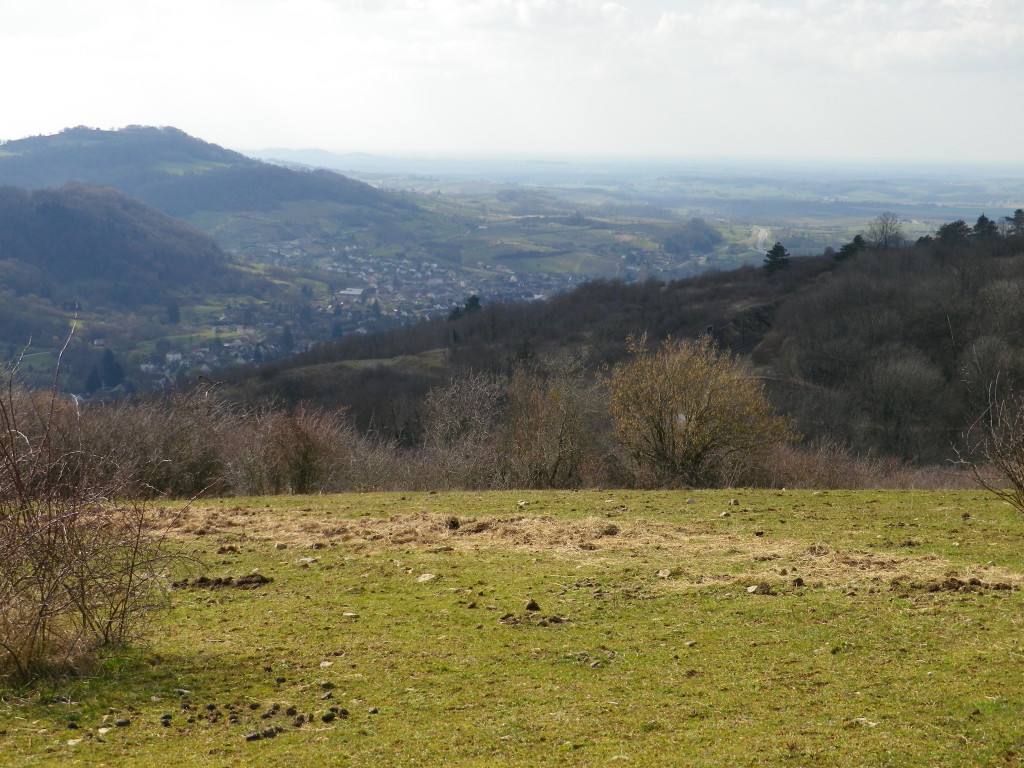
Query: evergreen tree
[985,228]
[287,339]
[92,381]
[852,248]
[776,259]
[111,371]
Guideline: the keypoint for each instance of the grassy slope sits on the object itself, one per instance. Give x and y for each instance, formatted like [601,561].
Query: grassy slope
[679,668]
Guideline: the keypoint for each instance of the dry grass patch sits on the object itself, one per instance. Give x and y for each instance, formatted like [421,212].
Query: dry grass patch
[692,556]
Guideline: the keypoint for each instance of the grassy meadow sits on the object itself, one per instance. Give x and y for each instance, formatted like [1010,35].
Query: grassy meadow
[692,628]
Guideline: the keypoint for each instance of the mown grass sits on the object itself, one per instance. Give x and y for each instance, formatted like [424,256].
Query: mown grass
[648,647]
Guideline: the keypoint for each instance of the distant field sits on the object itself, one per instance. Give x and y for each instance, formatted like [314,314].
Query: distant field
[766,628]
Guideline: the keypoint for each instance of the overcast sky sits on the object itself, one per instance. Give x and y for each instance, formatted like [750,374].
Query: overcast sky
[844,79]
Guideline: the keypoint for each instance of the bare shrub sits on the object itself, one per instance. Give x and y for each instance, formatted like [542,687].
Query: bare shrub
[170,445]
[78,571]
[461,424]
[548,427]
[995,444]
[688,414]
[303,450]
[829,466]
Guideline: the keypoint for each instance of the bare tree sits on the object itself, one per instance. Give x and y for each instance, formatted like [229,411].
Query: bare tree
[885,231]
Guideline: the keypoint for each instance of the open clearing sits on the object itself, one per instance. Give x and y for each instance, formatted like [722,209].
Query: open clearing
[592,628]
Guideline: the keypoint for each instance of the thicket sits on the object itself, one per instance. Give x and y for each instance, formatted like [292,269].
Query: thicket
[81,563]
[545,424]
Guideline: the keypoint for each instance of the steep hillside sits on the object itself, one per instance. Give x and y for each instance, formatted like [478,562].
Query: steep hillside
[129,273]
[98,243]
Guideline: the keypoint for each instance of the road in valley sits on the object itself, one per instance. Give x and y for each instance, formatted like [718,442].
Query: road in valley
[762,234]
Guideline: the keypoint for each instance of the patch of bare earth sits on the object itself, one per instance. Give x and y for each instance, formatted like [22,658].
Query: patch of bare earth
[692,557]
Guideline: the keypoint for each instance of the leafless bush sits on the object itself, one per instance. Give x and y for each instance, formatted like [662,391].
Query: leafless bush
[303,450]
[78,571]
[829,466]
[994,445]
[170,445]
[549,427]
[461,426]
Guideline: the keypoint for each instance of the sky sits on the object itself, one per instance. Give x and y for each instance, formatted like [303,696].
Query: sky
[879,80]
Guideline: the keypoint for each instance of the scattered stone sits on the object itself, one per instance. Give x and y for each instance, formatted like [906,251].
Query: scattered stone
[103,731]
[183,691]
[327,696]
[664,573]
[522,503]
[763,588]
[280,545]
[734,502]
[122,722]
[326,664]
[725,514]
[307,561]
[423,578]
[759,533]
[268,733]
[299,721]
[798,582]
[690,643]
[690,501]
[328,717]
[373,711]
[532,606]
[254,736]
[281,680]
[350,615]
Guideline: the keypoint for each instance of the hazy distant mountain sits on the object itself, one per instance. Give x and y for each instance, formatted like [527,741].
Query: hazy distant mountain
[173,171]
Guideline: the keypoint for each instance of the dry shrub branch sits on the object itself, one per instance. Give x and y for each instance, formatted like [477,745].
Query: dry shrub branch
[79,571]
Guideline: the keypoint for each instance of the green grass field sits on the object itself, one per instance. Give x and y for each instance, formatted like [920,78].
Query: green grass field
[666,629]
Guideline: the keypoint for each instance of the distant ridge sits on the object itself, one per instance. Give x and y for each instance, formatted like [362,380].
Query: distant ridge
[172,171]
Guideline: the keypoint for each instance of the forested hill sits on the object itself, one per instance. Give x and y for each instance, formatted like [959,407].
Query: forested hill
[97,253]
[173,171]
[886,350]
[100,235]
